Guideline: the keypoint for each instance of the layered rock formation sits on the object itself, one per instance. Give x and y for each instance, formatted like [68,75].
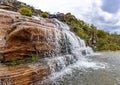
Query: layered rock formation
[22,37]
[23,74]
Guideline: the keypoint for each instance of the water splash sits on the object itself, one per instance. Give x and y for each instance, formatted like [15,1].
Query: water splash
[69,50]
[74,57]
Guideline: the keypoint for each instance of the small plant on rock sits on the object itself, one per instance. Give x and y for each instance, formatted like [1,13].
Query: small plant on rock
[45,14]
[25,11]
[34,58]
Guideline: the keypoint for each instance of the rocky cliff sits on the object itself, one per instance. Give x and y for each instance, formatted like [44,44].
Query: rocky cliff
[21,36]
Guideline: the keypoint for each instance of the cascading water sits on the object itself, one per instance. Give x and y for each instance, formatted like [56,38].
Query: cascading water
[73,50]
[61,52]
[74,46]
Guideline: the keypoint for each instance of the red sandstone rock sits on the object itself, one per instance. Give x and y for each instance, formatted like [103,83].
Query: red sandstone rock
[23,74]
[22,36]
[19,39]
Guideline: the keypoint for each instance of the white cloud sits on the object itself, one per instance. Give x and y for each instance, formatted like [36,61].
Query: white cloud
[77,7]
[88,10]
[59,5]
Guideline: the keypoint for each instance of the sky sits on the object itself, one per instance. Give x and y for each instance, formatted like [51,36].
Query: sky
[104,14]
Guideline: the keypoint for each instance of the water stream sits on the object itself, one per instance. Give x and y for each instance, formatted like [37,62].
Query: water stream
[82,66]
[67,66]
[101,69]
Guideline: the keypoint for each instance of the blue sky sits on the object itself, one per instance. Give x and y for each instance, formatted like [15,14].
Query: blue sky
[105,14]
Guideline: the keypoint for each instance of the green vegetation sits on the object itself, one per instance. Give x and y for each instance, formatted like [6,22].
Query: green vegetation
[45,14]
[108,42]
[16,62]
[25,11]
[33,58]
[98,39]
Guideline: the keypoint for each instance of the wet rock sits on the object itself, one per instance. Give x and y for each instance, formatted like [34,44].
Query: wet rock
[21,36]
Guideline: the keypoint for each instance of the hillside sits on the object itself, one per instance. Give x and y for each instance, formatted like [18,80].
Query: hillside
[98,39]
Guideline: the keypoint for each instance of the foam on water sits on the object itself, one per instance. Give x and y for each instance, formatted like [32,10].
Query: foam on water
[82,64]
[74,56]
[65,64]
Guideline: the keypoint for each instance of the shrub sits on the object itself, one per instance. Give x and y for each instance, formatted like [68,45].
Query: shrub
[25,11]
[45,14]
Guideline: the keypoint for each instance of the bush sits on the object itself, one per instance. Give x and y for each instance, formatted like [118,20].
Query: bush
[45,14]
[25,11]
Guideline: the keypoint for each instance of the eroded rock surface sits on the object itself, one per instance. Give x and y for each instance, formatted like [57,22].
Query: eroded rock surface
[21,37]
[23,74]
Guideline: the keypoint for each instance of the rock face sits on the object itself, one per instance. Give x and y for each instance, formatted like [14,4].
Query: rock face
[21,37]
[23,74]
[14,5]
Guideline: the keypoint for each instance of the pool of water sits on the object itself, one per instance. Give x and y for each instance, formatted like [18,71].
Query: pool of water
[103,69]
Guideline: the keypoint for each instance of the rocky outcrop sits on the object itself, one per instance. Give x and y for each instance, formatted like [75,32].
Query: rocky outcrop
[23,74]
[14,5]
[21,36]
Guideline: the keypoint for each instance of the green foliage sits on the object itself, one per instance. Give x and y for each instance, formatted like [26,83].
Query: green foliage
[45,14]
[16,62]
[13,63]
[101,33]
[101,44]
[109,42]
[82,35]
[103,40]
[34,58]
[25,11]
[69,17]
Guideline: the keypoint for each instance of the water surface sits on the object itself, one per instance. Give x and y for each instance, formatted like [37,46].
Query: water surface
[101,69]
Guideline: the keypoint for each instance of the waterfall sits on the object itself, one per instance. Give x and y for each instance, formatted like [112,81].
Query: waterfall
[57,47]
[61,47]
[72,47]
[75,43]
[75,50]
